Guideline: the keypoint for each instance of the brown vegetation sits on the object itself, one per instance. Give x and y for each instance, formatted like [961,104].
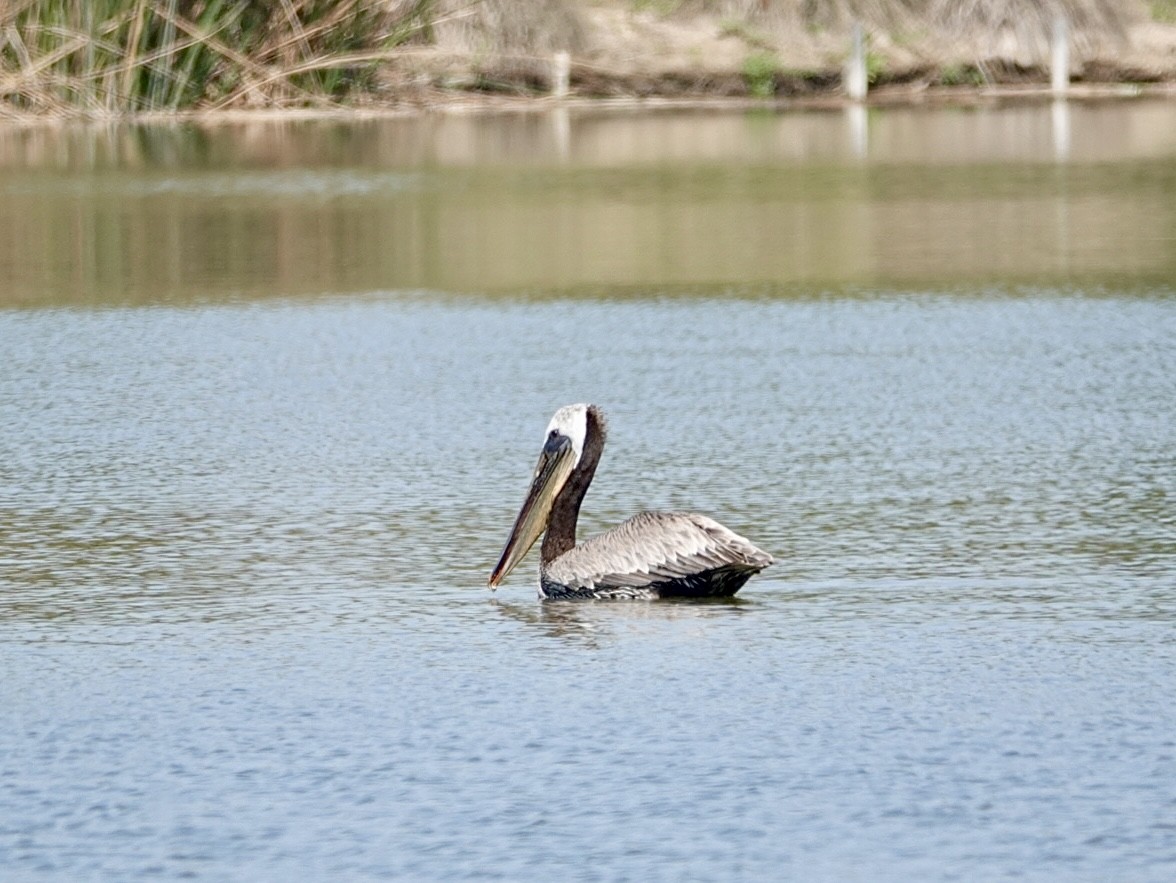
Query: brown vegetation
[719,47]
[111,57]
[127,56]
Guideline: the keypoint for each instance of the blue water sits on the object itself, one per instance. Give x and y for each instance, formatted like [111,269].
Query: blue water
[245,634]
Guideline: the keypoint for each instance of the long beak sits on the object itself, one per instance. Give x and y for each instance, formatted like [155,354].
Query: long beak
[555,465]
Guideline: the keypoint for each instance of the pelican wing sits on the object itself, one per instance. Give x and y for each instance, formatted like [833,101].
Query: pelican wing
[653,548]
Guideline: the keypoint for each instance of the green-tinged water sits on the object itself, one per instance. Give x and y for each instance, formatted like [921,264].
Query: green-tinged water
[270,394]
[549,204]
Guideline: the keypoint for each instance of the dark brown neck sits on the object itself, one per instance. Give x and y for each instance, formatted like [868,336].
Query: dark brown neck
[561,528]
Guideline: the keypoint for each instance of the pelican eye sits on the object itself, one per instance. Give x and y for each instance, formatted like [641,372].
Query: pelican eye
[556,441]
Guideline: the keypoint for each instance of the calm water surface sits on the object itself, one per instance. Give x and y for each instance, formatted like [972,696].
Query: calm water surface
[263,432]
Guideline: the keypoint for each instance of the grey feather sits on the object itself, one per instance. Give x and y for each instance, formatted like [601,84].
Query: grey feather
[654,551]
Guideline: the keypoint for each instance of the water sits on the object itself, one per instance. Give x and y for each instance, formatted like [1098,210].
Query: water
[245,532]
[572,203]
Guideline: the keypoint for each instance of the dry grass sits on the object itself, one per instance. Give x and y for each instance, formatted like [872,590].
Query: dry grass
[124,56]
[508,43]
[983,23]
[110,57]
[926,41]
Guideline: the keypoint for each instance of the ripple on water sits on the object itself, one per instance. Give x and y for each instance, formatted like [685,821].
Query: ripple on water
[245,627]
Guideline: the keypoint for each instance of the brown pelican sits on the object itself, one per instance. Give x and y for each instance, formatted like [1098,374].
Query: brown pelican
[652,555]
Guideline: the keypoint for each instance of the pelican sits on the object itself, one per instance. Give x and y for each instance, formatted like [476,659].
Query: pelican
[652,555]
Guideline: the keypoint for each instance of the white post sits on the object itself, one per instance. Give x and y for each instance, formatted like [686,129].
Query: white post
[853,78]
[1060,56]
[561,74]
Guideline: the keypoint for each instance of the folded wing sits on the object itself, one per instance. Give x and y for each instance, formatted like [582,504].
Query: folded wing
[654,549]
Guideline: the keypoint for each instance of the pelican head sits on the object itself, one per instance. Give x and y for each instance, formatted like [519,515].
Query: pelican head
[563,446]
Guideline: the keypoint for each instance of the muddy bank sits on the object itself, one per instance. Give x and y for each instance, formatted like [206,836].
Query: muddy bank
[626,51]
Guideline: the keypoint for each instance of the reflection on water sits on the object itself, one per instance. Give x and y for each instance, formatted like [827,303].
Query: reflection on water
[1059,117]
[584,201]
[244,538]
[591,622]
[245,628]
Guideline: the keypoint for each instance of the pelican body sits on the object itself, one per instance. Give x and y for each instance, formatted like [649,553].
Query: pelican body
[652,555]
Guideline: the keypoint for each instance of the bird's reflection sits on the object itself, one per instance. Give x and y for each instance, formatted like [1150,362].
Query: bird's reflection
[591,623]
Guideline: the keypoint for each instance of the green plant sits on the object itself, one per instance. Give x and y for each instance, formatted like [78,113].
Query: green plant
[961,75]
[759,73]
[1164,11]
[741,30]
[660,8]
[875,66]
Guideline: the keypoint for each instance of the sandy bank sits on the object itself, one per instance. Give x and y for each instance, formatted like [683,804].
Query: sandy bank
[627,51]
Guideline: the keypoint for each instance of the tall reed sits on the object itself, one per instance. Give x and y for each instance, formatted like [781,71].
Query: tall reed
[120,56]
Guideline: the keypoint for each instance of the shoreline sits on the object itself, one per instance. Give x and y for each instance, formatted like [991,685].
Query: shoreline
[460,103]
[620,57]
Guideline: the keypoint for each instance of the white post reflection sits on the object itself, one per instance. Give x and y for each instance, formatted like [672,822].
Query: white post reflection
[1059,115]
[561,126]
[859,133]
